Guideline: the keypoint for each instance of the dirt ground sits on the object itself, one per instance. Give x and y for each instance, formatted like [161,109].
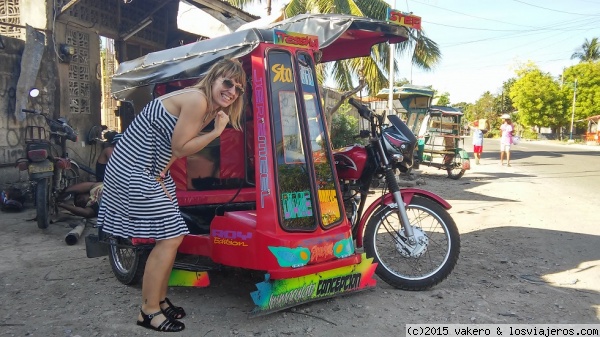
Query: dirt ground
[519,263]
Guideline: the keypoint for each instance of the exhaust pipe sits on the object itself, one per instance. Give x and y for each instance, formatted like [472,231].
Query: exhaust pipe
[74,235]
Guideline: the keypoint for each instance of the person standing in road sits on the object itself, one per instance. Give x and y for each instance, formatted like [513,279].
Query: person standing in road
[506,139]
[477,143]
[139,193]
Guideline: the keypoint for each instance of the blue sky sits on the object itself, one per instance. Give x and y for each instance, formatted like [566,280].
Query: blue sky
[484,41]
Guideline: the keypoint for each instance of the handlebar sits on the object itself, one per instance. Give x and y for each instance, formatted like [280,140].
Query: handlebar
[60,128]
[363,110]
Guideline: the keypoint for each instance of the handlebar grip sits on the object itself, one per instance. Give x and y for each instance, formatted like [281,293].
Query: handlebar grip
[363,110]
[354,103]
[69,132]
[30,111]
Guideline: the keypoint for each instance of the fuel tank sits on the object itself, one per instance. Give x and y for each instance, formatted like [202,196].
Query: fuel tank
[350,161]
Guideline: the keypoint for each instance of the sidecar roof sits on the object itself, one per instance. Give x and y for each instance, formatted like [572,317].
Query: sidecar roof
[340,37]
[444,110]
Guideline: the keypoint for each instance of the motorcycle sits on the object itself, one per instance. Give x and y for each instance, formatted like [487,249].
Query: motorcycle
[408,232]
[275,197]
[50,170]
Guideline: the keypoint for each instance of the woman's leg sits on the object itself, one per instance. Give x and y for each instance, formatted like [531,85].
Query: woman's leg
[156,275]
[164,287]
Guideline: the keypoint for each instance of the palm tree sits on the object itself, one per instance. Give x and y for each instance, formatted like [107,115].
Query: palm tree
[588,52]
[374,69]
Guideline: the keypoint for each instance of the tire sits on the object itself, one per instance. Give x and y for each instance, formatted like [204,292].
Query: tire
[455,173]
[42,201]
[127,262]
[455,170]
[430,263]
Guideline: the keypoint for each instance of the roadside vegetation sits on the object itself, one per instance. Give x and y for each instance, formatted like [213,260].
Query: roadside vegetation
[537,100]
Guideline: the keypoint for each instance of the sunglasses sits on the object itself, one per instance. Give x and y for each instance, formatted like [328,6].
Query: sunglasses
[228,84]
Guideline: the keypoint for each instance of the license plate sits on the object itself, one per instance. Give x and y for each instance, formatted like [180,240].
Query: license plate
[46,166]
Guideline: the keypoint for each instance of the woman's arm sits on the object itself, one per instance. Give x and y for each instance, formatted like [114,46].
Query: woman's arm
[193,109]
[86,212]
[83,187]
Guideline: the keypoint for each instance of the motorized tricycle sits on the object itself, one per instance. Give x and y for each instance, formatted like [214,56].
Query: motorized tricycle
[47,163]
[276,198]
[439,131]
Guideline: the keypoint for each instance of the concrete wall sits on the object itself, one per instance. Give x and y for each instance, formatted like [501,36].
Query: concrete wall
[12,132]
[69,87]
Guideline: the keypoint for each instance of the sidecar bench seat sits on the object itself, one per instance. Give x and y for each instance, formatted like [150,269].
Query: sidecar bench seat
[191,197]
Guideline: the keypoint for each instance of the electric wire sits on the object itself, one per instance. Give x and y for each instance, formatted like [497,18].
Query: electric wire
[554,10]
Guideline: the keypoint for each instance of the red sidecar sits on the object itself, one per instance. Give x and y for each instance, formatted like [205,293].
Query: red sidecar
[266,198]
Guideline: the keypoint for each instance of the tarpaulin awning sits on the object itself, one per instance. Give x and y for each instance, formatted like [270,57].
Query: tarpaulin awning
[340,37]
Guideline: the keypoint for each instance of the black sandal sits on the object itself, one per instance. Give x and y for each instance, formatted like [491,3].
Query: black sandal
[172,311]
[168,325]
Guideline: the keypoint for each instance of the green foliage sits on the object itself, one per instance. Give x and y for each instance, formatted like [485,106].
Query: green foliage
[483,108]
[343,129]
[529,134]
[588,52]
[502,102]
[538,98]
[374,69]
[587,75]
[401,82]
[444,99]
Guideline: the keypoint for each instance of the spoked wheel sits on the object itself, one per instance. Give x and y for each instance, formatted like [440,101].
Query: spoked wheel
[419,265]
[69,177]
[127,261]
[455,169]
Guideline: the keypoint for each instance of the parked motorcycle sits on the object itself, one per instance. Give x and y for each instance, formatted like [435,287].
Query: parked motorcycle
[407,231]
[50,169]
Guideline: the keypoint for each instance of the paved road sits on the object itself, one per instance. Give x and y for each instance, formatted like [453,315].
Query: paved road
[575,167]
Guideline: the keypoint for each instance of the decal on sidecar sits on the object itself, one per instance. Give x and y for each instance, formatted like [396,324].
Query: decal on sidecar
[188,278]
[273,295]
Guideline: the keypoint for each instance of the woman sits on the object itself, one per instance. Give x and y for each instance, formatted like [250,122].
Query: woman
[506,139]
[139,194]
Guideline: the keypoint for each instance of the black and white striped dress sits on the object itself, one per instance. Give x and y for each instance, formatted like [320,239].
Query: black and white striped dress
[133,203]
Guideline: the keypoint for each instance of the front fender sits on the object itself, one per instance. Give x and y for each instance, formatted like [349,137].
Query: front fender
[388,199]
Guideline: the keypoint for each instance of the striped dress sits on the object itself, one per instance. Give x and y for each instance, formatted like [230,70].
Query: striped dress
[133,203]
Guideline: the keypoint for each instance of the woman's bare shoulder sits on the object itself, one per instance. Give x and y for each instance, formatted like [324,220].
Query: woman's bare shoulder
[182,99]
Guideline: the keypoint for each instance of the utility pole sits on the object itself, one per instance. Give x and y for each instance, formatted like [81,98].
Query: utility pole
[391,76]
[573,111]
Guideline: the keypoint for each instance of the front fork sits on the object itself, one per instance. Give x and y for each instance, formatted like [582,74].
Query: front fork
[390,178]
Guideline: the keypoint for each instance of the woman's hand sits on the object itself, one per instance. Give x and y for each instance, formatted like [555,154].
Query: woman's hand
[221,120]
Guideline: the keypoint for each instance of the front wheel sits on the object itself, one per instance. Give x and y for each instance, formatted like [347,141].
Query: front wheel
[419,265]
[42,201]
[127,262]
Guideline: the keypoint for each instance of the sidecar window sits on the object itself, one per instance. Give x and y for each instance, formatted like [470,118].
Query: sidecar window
[328,199]
[296,200]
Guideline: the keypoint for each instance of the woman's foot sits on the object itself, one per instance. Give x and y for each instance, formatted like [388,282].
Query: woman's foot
[159,322]
[170,310]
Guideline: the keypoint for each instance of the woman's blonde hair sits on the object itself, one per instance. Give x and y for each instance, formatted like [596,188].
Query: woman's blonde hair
[231,69]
